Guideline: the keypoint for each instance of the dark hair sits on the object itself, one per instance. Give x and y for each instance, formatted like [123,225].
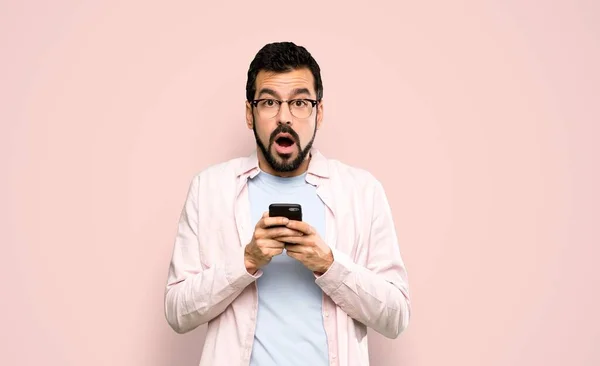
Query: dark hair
[282,57]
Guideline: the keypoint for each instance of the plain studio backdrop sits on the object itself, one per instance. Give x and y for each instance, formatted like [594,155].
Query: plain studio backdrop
[480,118]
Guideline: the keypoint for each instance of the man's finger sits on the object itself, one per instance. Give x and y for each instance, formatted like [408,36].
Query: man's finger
[279,231]
[294,248]
[259,224]
[266,222]
[270,243]
[300,226]
[274,251]
[293,254]
[294,240]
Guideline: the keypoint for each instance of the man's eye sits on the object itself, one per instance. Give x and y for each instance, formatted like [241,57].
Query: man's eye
[268,102]
[300,103]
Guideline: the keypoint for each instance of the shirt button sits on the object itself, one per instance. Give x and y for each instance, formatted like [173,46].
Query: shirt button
[326,314]
[333,356]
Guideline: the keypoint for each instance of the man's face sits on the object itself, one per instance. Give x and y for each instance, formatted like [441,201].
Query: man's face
[284,139]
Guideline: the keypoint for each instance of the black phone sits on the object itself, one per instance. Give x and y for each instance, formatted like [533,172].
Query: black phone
[292,211]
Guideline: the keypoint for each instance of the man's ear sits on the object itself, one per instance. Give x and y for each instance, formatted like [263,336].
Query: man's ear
[319,114]
[249,117]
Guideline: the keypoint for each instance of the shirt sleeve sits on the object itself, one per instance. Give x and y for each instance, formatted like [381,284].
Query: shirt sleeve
[195,295]
[376,294]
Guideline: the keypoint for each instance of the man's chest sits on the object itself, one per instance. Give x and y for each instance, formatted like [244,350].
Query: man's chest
[313,208]
[227,219]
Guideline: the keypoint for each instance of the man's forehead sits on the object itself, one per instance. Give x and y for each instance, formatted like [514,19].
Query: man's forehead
[285,81]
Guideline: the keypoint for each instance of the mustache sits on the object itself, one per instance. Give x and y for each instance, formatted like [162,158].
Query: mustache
[284,129]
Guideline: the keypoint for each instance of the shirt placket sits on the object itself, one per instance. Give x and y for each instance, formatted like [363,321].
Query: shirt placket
[244,228]
[329,317]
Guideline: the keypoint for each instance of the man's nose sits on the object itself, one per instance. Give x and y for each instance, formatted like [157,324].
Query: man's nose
[285,116]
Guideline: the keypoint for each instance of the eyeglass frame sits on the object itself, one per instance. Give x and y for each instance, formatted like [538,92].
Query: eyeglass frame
[313,103]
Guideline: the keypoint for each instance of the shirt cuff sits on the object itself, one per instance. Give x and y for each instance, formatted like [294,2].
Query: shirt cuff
[339,270]
[236,272]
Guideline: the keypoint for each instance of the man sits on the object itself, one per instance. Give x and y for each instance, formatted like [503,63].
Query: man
[276,291]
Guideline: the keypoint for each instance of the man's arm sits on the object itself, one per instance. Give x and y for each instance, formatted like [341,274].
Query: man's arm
[193,295]
[377,294]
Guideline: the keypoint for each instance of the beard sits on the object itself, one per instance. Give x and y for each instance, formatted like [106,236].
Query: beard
[285,165]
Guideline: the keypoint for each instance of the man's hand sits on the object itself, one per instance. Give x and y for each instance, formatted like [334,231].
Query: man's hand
[265,244]
[309,248]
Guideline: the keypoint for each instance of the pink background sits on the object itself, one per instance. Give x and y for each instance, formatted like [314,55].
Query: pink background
[481,119]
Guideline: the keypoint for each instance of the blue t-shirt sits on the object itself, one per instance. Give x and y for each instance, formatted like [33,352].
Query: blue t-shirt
[289,327]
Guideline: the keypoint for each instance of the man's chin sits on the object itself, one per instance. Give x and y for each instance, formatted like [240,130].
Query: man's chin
[283,158]
[283,162]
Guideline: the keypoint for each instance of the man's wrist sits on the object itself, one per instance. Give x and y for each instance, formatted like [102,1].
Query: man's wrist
[328,264]
[250,266]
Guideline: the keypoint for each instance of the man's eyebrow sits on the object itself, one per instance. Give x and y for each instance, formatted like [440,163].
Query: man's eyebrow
[271,92]
[299,91]
[274,94]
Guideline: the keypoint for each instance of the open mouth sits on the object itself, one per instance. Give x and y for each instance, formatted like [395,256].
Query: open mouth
[284,140]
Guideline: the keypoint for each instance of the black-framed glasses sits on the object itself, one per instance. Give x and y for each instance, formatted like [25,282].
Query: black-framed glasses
[299,108]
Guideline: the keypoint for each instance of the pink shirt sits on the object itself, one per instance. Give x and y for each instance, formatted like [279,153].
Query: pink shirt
[366,286]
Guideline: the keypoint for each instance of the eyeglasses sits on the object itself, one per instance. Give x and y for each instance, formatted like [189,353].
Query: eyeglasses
[299,108]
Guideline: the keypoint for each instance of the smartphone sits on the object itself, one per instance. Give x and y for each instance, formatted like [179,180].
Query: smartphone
[292,211]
